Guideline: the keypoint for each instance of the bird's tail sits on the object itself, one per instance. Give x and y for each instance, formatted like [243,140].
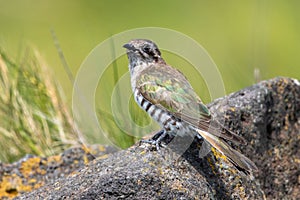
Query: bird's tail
[235,157]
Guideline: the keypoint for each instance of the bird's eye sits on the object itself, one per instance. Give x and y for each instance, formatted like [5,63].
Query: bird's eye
[146,49]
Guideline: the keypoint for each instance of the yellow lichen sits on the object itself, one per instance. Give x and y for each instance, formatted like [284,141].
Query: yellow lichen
[12,185]
[30,166]
[86,160]
[101,148]
[142,152]
[211,164]
[103,157]
[218,155]
[241,190]
[32,180]
[54,159]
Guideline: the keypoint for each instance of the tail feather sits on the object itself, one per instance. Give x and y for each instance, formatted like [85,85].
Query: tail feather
[217,129]
[226,134]
[235,157]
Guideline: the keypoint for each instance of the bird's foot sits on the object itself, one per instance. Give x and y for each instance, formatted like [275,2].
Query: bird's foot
[156,139]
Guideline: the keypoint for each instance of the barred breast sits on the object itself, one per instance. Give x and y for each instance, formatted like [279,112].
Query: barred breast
[165,119]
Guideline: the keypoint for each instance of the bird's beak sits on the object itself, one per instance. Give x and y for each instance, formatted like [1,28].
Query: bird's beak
[129,46]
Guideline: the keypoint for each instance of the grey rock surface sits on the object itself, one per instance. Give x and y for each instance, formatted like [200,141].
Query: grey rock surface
[266,114]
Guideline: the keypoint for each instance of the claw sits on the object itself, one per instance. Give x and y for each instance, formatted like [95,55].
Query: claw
[156,139]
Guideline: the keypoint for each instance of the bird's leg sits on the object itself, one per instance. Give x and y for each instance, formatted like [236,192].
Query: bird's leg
[158,134]
[156,139]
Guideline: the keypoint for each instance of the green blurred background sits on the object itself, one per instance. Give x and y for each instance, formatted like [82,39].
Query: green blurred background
[240,36]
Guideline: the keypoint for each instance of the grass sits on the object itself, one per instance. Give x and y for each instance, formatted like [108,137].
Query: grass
[34,117]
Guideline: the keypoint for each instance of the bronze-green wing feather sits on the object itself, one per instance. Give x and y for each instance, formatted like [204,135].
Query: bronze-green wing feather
[169,89]
[166,86]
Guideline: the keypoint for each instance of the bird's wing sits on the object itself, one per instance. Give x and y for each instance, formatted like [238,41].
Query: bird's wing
[169,89]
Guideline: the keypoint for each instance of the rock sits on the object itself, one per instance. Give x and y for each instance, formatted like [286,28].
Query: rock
[266,114]
[32,172]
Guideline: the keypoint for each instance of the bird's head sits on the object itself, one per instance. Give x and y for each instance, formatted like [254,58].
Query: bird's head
[142,51]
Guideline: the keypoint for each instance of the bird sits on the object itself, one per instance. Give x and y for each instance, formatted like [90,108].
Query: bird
[167,96]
